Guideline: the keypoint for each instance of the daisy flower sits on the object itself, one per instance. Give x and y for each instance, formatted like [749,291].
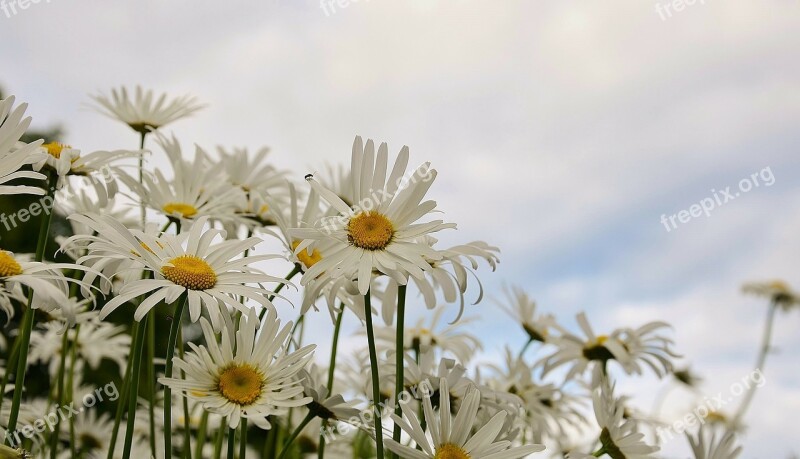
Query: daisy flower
[96,341]
[13,154]
[706,446]
[249,172]
[246,375]
[619,436]
[451,437]
[143,112]
[521,307]
[194,191]
[322,405]
[46,280]
[189,263]
[65,161]
[379,232]
[778,291]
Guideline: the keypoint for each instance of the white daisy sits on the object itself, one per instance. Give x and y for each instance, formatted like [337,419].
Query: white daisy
[619,436]
[143,112]
[65,161]
[379,233]
[250,172]
[452,438]
[777,291]
[187,263]
[322,404]
[13,154]
[96,341]
[247,375]
[705,446]
[522,308]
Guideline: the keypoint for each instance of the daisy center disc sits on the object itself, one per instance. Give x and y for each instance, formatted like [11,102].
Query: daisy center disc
[240,384]
[304,257]
[370,231]
[54,149]
[180,208]
[190,272]
[8,265]
[450,451]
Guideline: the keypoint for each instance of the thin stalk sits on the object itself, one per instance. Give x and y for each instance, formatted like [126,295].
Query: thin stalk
[28,318]
[151,381]
[231,442]
[766,345]
[143,213]
[219,438]
[376,379]
[187,436]
[71,389]
[288,277]
[202,433]
[331,373]
[524,348]
[173,337]
[399,353]
[295,434]
[243,439]
[133,396]
[121,403]
[62,369]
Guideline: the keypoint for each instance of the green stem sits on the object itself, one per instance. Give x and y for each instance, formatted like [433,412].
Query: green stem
[399,353]
[243,439]
[137,348]
[288,277]
[121,403]
[766,345]
[219,438]
[202,433]
[295,434]
[142,210]
[524,348]
[173,337]
[151,381]
[231,442]
[599,452]
[187,436]
[62,369]
[28,318]
[331,372]
[376,380]
[71,388]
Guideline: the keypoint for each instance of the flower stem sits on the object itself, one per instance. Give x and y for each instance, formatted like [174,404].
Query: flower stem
[524,348]
[243,439]
[231,442]
[766,345]
[202,433]
[151,382]
[71,389]
[376,380]
[121,403]
[28,317]
[62,370]
[399,352]
[137,349]
[219,438]
[331,371]
[180,305]
[288,277]
[295,434]
[187,435]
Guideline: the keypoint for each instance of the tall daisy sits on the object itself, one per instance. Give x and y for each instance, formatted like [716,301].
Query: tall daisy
[188,263]
[452,437]
[13,154]
[247,375]
[142,110]
[619,436]
[379,232]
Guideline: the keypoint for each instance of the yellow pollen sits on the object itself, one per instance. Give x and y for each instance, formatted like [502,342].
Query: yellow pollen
[602,339]
[182,209]
[304,257]
[240,384]
[8,265]
[197,393]
[263,209]
[370,231]
[450,451]
[54,149]
[190,272]
[779,285]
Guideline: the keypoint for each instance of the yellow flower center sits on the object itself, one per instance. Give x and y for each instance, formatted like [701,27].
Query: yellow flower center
[8,265]
[304,257]
[54,149]
[190,272]
[180,208]
[450,451]
[370,231]
[263,209]
[602,339]
[240,384]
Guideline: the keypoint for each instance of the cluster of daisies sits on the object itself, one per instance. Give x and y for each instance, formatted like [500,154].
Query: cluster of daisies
[164,288]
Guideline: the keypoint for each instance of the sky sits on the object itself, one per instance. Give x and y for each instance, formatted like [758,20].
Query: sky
[565,133]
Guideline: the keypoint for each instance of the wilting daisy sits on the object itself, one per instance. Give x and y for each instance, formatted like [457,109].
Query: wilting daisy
[194,191]
[777,291]
[708,446]
[13,154]
[143,111]
[189,263]
[246,375]
[452,437]
[379,232]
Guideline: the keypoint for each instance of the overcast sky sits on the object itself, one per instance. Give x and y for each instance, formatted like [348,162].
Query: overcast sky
[562,132]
